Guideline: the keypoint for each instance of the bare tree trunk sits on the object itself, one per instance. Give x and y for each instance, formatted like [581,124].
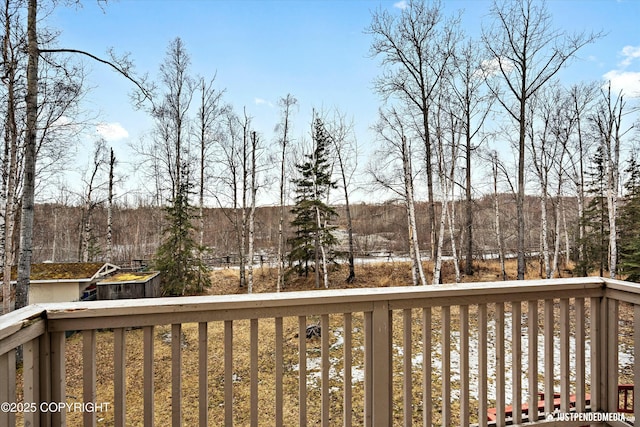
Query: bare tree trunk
[8,204]
[451,219]
[339,134]
[28,192]
[112,162]
[567,242]
[438,263]
[544,234]
[496,209]
[252,210]
[413,229]
[286,104]
[556,250]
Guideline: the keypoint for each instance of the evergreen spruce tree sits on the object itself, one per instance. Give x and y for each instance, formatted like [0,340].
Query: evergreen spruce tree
[312,216]
[630,224]
[177,258]
[595,219]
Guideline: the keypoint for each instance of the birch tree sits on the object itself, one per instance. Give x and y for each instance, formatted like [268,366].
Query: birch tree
[581,96]
[415,51]
[474,101]
[208,132]
[286,104]
[396,148]
[34,51]
[346,152]
[8,192]
[526,52]
[610,129]
[89,202]
[112,165]
[253,189]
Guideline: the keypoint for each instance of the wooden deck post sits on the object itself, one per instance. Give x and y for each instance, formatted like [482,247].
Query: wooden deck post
[381,348]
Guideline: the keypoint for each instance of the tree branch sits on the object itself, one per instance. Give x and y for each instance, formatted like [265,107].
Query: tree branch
[117,67]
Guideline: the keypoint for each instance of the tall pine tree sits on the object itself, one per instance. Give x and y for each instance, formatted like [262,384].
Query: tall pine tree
[630,224]
[177,258]
[311,245]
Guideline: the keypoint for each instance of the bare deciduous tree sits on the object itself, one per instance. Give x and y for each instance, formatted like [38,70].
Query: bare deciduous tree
[390,130]
[346,152]
[286,104]
[415,50]
[526,53]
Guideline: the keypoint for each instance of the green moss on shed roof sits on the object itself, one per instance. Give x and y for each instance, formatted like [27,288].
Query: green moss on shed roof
[61,270]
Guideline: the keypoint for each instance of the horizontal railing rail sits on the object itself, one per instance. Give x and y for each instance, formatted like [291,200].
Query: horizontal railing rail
[459,354]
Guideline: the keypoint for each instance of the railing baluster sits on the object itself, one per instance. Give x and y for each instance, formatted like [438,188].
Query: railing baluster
[32,380]
[176,374]
[427,397]
[324,367]
[279,371]
[302,370]
[516,360]
[548,356]
[446,365]
[348,354]
[636,358]
[595,350]
[580,355]
[89,374]
[253,330]
[500,365]
[119,376]
[228,373]
[564,355]
[46,377]
[406,368]
[8,386]
[532,362]
[368,366]
[464,365]
[482,365]
[612,357]
[203,371]
[58,376]
[148,374]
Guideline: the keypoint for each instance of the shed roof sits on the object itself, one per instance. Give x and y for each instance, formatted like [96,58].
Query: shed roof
[130,277]
[67,271]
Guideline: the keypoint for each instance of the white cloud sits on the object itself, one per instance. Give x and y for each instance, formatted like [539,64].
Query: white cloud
[261,101]
[112,131]
[629,53]
[626,81]
[402,4]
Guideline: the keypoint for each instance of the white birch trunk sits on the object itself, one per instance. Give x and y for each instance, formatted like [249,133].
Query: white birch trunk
[252,211]
[544,233]
[451,217]
[496,209]
[413,233]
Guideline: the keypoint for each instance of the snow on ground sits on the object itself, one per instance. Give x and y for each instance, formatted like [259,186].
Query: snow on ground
[625,357]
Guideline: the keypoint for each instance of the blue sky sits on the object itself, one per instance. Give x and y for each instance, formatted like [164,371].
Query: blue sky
[315,50]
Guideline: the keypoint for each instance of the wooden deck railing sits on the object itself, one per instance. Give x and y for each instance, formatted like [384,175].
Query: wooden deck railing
[436,355]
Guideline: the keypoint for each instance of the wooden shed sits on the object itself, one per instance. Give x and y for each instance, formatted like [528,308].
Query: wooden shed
[126,285]
[65,281]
